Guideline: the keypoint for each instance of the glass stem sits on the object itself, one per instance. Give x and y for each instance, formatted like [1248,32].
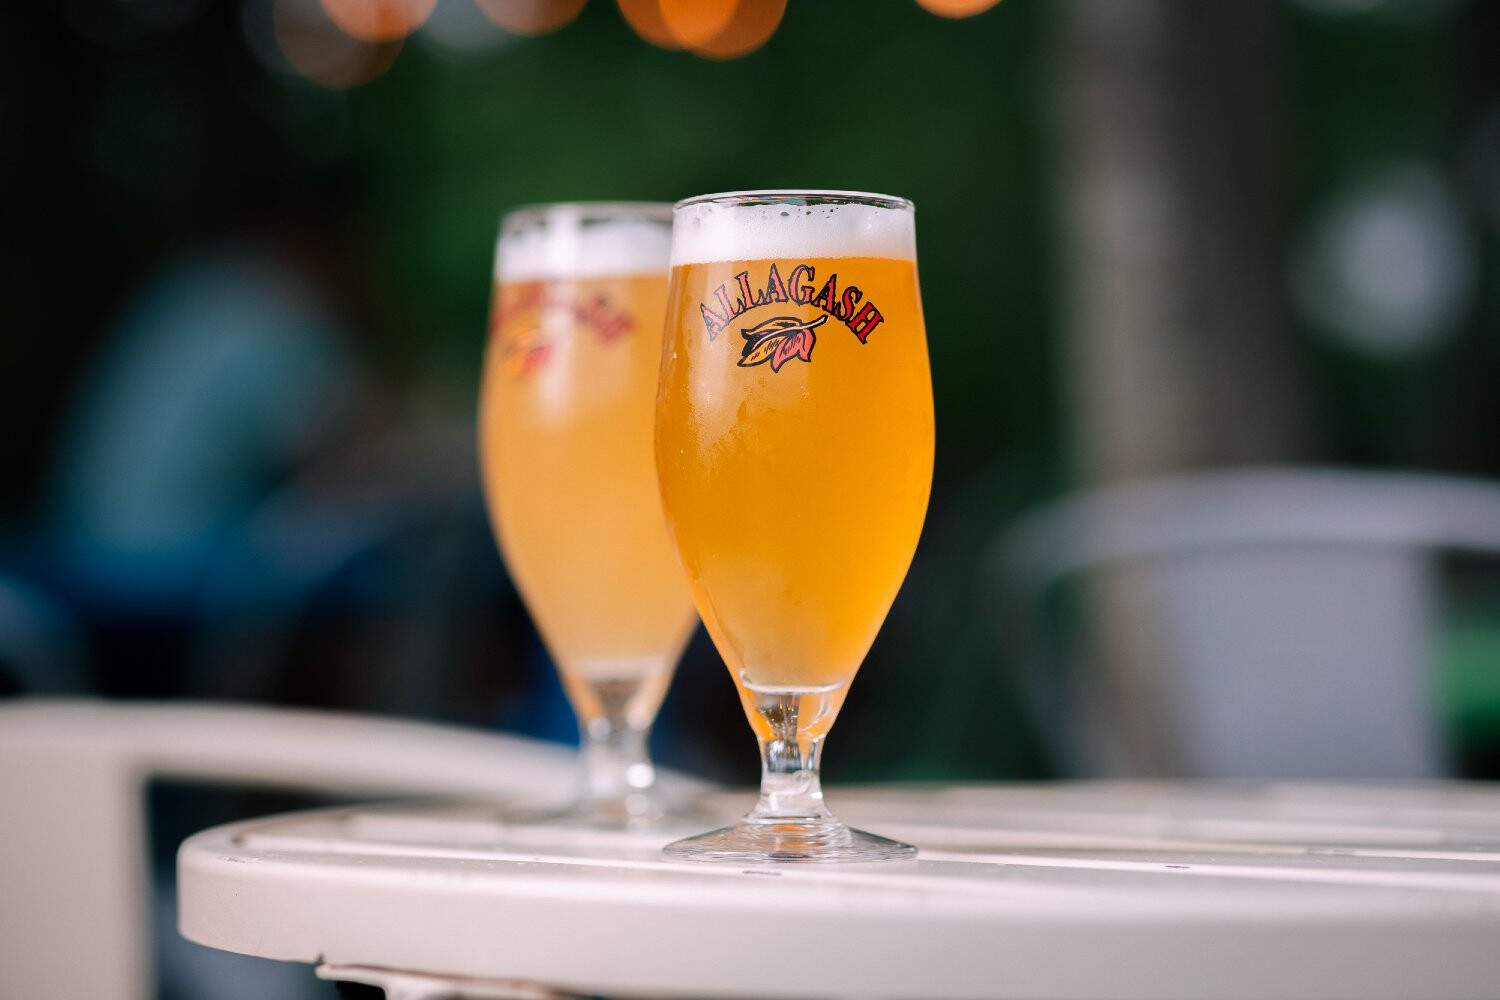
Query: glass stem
[789,783]
[617,766]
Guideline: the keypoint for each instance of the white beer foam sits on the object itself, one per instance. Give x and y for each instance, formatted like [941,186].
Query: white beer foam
[707,231]
[565,248]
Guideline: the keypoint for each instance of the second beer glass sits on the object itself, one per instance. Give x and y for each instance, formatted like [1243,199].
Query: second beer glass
[565,431]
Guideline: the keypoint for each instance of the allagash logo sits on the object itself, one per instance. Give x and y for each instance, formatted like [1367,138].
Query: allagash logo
[527,316]
[777,340]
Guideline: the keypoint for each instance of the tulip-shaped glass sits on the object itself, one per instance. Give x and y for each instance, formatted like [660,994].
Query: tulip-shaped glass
[565,429]
[794,442]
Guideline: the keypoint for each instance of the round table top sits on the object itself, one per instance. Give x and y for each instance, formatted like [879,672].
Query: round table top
[1108,891]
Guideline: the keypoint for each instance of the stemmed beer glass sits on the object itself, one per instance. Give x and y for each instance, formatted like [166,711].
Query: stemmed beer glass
[565,429]
[794,441]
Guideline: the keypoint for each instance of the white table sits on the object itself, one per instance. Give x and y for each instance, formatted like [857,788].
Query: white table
[1107,891]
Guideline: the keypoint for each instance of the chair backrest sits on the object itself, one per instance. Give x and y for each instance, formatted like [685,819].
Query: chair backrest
[1282,622]
[74,910]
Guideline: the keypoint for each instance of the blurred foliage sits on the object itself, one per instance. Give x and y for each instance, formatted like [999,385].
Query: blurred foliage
[1406,83]
[189,139]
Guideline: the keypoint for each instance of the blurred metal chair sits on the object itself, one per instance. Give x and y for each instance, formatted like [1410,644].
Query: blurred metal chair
[74,887]
[1278,622]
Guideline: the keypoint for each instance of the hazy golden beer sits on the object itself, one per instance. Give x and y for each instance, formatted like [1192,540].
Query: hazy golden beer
[795,466]
[565,430]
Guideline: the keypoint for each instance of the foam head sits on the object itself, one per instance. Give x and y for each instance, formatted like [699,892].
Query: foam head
[583,241]
[766,225]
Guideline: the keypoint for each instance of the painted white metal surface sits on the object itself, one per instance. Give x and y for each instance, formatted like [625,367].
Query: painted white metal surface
[73,865]
[1086,892]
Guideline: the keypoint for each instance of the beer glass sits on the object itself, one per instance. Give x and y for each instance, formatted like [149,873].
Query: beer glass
[565,428]
[794,440]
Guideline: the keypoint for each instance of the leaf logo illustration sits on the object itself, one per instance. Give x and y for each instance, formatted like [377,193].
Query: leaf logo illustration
[525,360]
[525,350]
[779,340]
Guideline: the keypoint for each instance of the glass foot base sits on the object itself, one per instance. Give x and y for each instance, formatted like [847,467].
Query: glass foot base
[808,841]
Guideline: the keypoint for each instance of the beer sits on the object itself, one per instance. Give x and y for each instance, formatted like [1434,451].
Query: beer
[566,458]
[799,528]
[794,441]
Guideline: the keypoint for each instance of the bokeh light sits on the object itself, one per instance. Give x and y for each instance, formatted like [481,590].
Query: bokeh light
[697,22]
[1389,266]
[319,50]
[645,17]
[957,8]
[460,29]
[531,17]
[379,20]
[751,27]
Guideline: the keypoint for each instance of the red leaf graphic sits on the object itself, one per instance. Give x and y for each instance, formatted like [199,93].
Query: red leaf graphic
[778,340]
[805,341]
[521,360]
[792,345]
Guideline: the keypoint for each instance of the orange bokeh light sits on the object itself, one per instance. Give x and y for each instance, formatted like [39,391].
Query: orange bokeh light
[697,22]
[957,8]
[646,18]
[379,20]
[531,17]
[754,22]
[321,51]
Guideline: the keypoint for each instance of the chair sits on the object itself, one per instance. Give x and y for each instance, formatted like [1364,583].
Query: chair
[1263,623]
[74,887]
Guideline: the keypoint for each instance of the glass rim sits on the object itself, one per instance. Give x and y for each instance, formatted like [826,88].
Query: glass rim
[587,211]
[799,197]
